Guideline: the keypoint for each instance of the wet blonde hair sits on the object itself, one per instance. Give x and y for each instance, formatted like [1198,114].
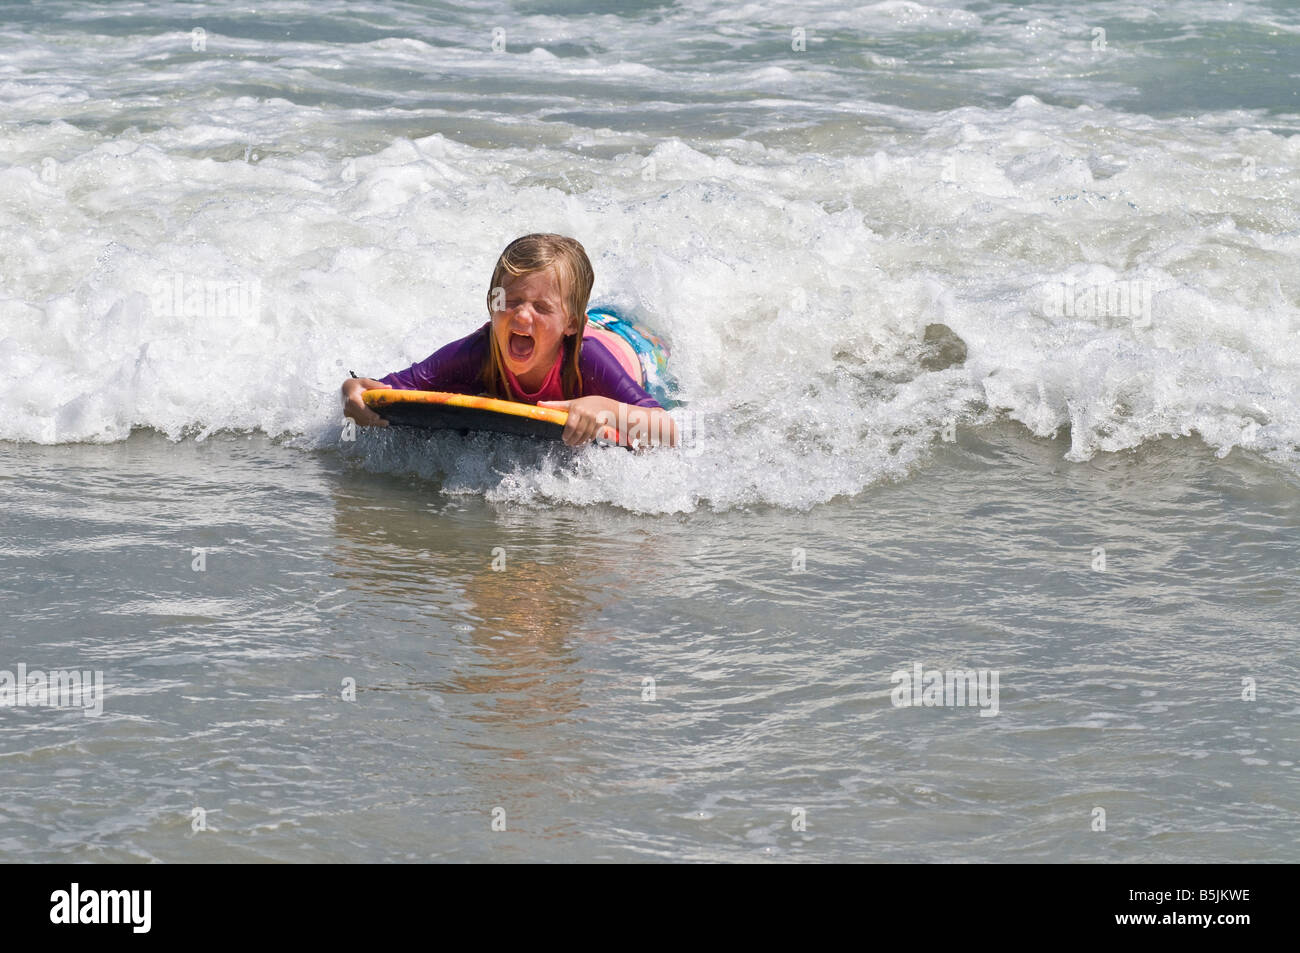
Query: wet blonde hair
[525,256]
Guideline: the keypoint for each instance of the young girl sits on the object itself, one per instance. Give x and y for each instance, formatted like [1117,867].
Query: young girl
[537,349]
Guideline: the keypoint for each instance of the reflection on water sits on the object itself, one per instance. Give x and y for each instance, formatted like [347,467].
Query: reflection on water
[519,612]
[514,594]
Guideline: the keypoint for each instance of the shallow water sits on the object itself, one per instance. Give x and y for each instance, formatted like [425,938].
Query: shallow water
[210,214]
[523,688]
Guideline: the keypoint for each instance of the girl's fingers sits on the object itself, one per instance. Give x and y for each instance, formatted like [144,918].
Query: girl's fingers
[580,429]
[367,417]
[584,426]
[571,431]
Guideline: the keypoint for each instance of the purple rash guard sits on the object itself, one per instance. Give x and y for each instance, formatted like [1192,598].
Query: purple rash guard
[455,369]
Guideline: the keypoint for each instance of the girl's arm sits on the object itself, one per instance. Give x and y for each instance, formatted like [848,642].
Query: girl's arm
[638,427]
[453,367]
[624,404]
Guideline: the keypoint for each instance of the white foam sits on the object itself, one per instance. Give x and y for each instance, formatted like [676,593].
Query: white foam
[794,271]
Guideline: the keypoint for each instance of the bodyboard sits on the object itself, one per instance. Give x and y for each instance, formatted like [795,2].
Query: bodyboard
[435,410]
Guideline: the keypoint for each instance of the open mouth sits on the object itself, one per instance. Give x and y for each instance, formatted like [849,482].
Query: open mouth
[521,346]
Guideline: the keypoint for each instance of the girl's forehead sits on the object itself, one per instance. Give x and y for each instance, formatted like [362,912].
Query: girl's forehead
[536,282]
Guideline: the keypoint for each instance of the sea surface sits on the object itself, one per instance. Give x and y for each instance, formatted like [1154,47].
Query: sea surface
[986,324]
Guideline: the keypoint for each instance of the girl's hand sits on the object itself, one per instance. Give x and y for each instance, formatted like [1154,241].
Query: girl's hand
[355,407]
[589,418]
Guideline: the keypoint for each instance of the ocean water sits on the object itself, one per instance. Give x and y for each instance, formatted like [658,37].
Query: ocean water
[323,649]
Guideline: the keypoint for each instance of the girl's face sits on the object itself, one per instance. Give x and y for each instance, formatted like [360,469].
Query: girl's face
[532,327]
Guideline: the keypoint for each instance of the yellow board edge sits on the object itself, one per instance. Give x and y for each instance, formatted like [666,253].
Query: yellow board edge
[389,397]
